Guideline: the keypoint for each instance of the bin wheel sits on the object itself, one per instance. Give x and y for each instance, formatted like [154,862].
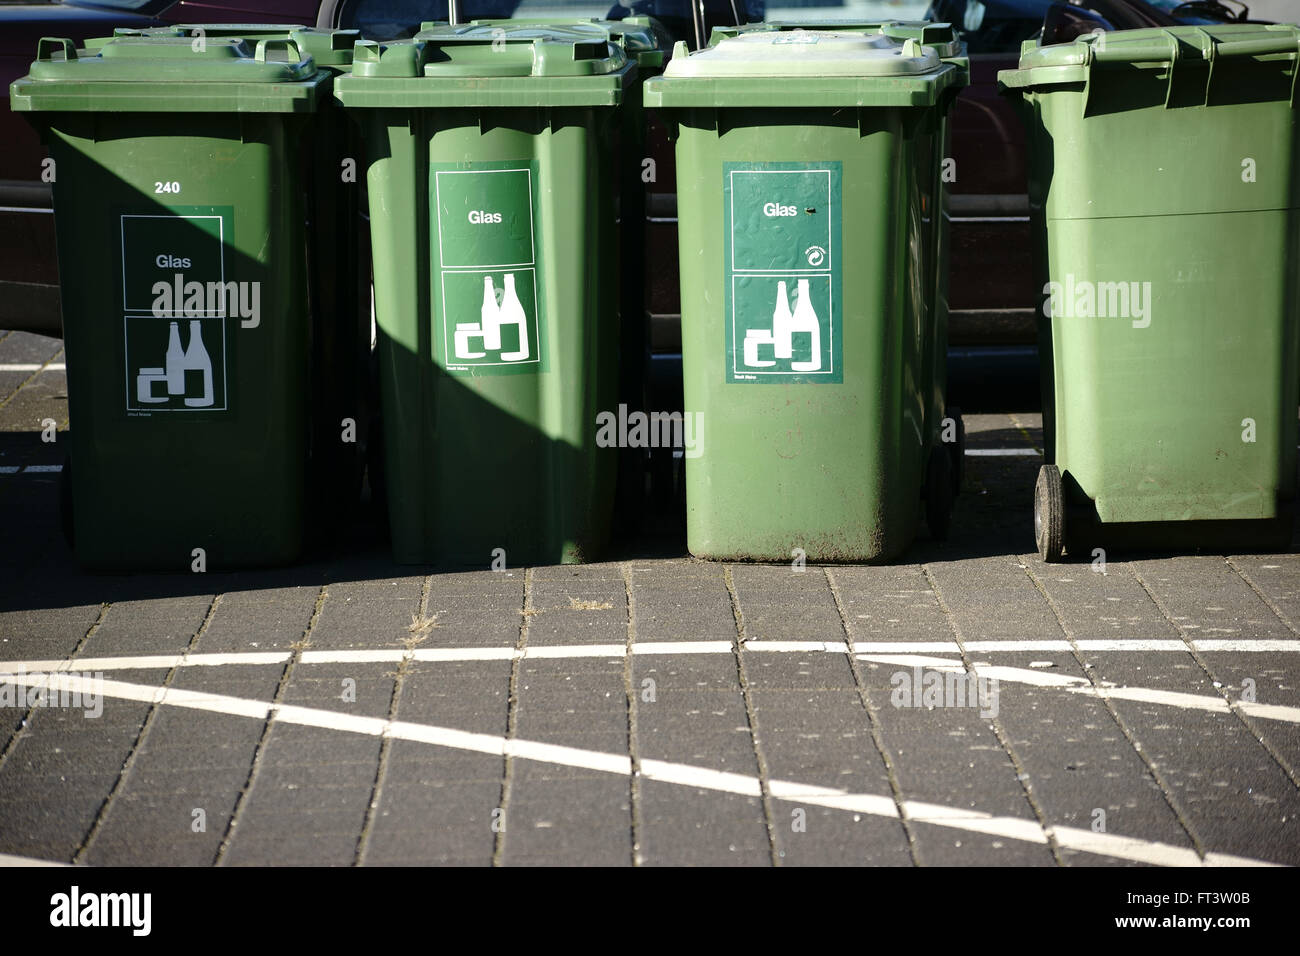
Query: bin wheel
[957,449]
[1049,514]
[65,501]
[938,492]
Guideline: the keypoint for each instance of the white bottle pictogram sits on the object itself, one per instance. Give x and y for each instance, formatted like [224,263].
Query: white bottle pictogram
[492,318]
[487,320]
[197,360]
[784,326]
[512,313]
[783,323]
[175,361]
[804,320]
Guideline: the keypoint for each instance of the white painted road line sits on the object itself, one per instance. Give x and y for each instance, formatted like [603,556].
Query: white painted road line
[1081,685]
[703,778]
[7,860]
[33,367]
[651,648]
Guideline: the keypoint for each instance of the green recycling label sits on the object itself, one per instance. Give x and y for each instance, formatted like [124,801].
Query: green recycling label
[488,315]
[177,305]
[782,270]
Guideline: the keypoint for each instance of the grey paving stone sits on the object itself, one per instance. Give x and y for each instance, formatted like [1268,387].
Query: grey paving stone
[297,745]
[946,846]
[893,603]
[246,682]
[1277,578]
[1078,759]
[250,622]
[421,764]
[683,826]
[571,822]
[200,732]
[364,690]
[816,670]
[708,729]
[53,827]
[1102,606]
[468,695]
[1217,771]
[434,824]
[286,846]
[833,837]
[591,625]
[349,624]
[1274,679]
[48,634]
[992,599]
[1207,599]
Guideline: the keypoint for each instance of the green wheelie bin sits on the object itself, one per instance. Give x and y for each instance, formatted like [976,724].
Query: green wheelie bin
[180,228]
[1164,197]
[338,263]
[491,184]
[809,194]
[648,44]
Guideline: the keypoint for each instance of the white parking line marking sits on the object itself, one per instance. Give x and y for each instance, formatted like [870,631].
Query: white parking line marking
[704,778]
[1081,685]
[8,859]
[34,367]
[650,648]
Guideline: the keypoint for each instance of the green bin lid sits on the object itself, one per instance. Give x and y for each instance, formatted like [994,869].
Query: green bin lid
[767,68]
[937,35]
[1162,49]
[168,74]
[478,65]
[642,37]
[326,47]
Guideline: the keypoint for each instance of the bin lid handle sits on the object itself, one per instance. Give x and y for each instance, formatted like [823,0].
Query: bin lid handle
[288,45]
[48,46]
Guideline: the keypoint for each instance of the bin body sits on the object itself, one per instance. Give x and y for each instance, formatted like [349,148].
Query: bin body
[492,222]
[808,170]
[647,43]
[177,180]
[338,272]
[1164,206]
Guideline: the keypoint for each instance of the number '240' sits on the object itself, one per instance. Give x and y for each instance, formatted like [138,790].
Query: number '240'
[172,187]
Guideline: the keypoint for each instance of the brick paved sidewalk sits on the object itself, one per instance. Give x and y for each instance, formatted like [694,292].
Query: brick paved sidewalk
[652,709]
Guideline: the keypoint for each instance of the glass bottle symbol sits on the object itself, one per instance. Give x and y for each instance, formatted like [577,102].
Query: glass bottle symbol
[512,313]
[782,325]
[175,363]
[490,316]
[805,320]
[196,359]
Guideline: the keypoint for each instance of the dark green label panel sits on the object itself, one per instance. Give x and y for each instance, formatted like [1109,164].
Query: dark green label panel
[487,319]
[781,248]
[177,309]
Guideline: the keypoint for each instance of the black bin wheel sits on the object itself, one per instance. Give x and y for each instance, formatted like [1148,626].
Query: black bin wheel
[938,492]
[1049,514]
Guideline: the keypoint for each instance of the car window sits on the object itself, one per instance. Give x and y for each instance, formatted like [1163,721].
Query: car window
[991,26]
